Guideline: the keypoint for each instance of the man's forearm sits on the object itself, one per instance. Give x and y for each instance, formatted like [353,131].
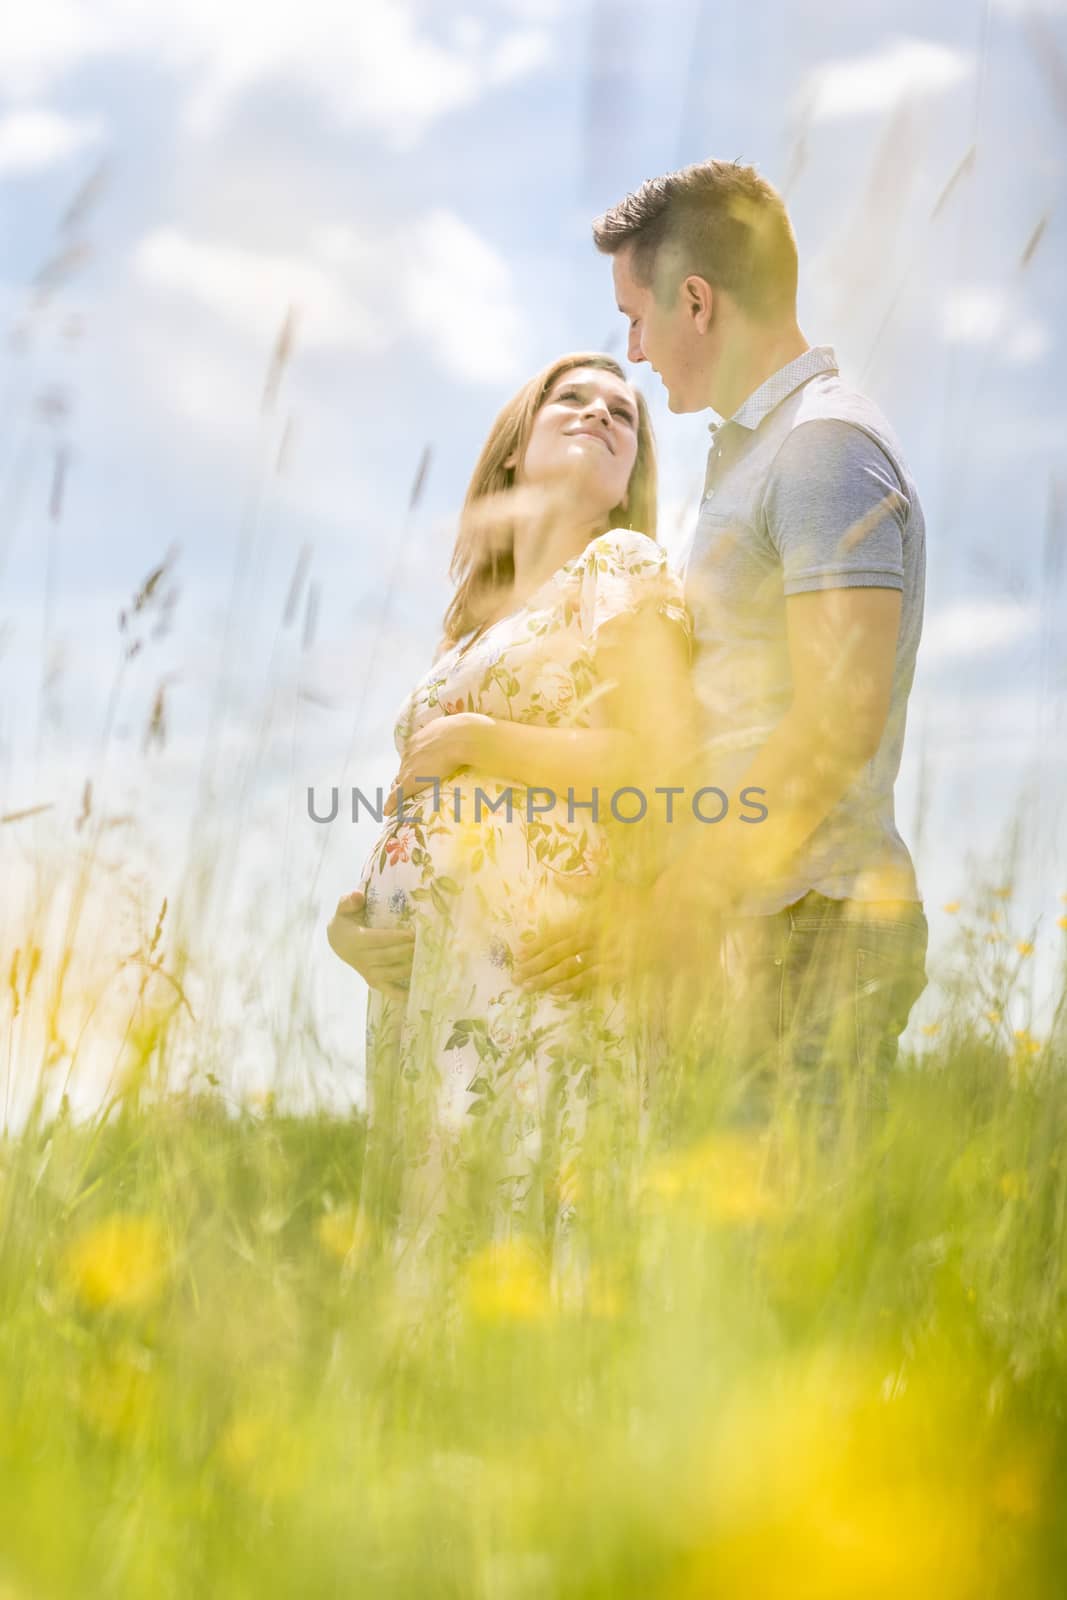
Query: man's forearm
[802,772]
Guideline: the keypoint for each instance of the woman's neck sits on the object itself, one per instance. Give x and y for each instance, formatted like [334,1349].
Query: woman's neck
[541,549]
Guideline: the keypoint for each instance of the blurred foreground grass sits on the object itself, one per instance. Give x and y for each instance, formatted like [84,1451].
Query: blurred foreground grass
[780,1374]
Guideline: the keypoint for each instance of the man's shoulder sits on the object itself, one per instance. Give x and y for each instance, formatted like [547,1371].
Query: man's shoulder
[836,449]
[828,398]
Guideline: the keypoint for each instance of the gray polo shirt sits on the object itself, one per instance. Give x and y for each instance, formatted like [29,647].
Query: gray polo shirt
[806,488]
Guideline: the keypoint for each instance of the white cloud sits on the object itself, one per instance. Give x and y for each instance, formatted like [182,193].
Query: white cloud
[975,627]
[39,43]
[252,290]
[518,54]
[1019,8]
[976,314]
[1028,341]
[858,86]
[435,279]
[217,390]
[459,298]
[31,140]
[532,10]
[376,66]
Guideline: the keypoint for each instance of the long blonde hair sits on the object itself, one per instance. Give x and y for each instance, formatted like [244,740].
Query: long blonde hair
[483,560]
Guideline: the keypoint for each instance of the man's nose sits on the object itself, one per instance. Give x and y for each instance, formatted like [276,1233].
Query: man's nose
[634,352]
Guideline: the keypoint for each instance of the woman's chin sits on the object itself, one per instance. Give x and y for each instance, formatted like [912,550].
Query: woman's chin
[586,488]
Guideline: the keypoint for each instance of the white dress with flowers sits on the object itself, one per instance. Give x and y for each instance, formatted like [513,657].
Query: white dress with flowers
[483,1097]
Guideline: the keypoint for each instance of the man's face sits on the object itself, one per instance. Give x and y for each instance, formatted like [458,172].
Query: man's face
[666,336]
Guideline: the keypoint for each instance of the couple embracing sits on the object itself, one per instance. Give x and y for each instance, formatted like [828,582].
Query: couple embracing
[643,813]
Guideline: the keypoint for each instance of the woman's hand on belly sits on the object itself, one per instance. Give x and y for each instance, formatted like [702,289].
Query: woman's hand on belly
[437,751]
[381,956]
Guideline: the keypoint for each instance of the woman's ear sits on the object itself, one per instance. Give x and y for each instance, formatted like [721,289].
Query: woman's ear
[511,462]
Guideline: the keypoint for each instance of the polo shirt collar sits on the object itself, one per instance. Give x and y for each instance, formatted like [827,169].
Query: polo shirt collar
[781,384]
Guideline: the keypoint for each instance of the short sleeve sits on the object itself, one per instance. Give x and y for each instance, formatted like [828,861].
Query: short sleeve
[836,511]
[624,573]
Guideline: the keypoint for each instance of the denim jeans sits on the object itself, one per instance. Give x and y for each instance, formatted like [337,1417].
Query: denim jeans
[815,999]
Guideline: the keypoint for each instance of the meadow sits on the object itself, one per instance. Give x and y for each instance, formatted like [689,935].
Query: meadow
[784,1367]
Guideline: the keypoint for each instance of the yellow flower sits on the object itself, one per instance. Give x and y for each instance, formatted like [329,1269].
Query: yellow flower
[263,1452]
[951,906]
[1024,947]
[827,1480]
[931,1028]
[1025,1043]
[723,1178]
[1003,893]
[507,1282]
[993,1017]
[1013,1185]
[118,1393]
[344,1232]
[1018,1484]
[1061,922]
[119,1262]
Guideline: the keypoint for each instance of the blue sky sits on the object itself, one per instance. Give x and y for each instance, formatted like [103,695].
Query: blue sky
[417,183]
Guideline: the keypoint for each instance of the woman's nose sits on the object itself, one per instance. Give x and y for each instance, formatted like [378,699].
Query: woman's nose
[597,409]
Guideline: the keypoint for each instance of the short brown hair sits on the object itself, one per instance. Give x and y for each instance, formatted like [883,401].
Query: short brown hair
[483,563]
[722,222]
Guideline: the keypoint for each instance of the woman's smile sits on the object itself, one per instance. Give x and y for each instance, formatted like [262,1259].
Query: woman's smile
[590,433]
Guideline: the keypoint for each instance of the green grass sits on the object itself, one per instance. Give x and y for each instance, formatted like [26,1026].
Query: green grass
[825,1374]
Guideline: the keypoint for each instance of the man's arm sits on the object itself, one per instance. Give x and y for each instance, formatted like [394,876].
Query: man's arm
[836,512]
[842,653]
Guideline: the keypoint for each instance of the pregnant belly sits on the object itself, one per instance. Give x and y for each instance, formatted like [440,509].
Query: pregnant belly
[418,866]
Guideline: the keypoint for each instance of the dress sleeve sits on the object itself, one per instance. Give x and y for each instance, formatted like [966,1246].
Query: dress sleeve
[623,574]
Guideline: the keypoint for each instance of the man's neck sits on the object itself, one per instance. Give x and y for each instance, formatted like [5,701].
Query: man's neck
[757,359]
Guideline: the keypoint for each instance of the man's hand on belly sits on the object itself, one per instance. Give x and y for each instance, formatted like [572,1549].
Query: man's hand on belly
[594,946]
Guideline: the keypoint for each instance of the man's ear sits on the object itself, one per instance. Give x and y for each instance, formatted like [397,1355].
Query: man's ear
[699,299]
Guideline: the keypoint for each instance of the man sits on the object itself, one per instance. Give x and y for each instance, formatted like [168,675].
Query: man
[805,579]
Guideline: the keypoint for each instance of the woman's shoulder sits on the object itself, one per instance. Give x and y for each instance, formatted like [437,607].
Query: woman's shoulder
[626,550]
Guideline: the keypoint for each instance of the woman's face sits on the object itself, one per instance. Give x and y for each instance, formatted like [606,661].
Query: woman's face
[585,434]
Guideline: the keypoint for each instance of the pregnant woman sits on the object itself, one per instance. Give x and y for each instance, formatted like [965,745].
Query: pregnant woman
[562,676]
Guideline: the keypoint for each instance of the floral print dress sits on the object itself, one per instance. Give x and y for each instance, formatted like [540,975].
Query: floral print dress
[491,1108]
